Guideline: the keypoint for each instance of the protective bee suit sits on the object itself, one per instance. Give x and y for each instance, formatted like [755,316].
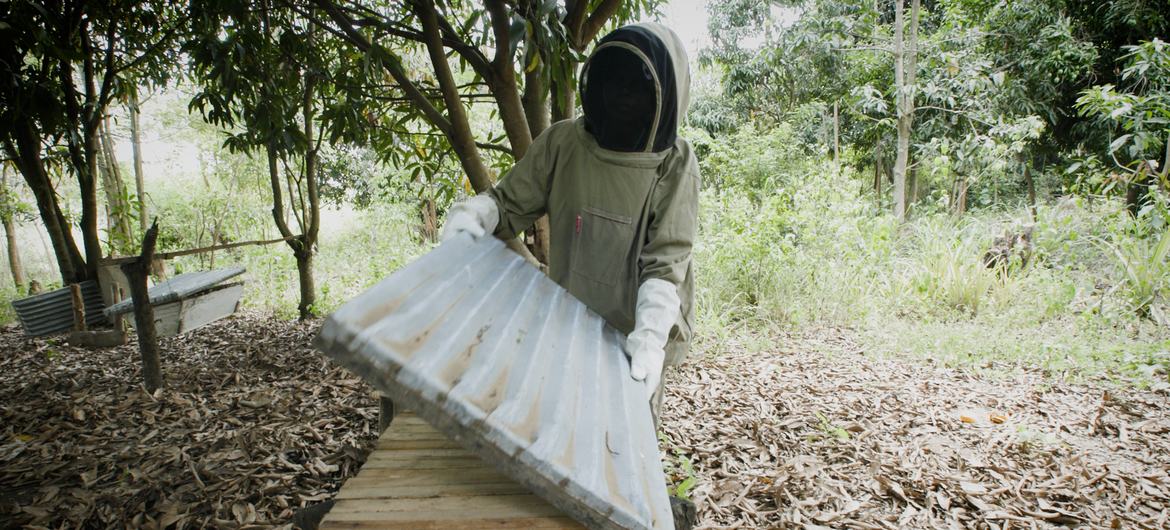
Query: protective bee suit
[621,192]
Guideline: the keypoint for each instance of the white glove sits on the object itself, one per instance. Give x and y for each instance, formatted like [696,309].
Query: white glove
[657,311]
[476,216]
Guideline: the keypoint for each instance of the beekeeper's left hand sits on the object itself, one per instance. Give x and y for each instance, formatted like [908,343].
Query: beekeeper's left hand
[476,216]
[657,311]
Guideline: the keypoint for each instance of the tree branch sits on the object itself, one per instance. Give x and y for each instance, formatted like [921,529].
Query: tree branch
[103,96]
[153,48]
[502,62]
[596,21]
[496,147]
[277,200]
[574,20]
[474,57]
[460,130]
[188,252]
[503,84]
[393,66]
[866,49]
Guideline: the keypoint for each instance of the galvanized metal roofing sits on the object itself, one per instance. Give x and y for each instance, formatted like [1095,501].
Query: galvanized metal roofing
[52,312]
[179,287]
[497,356]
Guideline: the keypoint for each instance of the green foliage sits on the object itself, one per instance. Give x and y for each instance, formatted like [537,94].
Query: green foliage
[1143,112]
[52,39]
[777,158]
[682,472]
[813,252]
[827,428]
[12,204]
[122,242]
[1145,274]
[7,293]
[948,272]
[356,251]
[215,216]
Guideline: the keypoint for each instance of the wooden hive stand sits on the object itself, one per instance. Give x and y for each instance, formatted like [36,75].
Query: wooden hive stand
[418,479]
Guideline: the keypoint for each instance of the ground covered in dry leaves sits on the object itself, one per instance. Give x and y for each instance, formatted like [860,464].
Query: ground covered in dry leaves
[255,425]
[800,439]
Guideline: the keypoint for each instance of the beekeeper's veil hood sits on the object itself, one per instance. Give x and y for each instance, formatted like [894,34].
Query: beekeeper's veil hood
[635,88]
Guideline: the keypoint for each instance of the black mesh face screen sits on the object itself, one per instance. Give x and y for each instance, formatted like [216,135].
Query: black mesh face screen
[620,99]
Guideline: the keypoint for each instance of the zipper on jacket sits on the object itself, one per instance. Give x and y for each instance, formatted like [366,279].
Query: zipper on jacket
[578,228]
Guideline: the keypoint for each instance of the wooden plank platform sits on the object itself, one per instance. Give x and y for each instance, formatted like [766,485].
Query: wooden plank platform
[418,479]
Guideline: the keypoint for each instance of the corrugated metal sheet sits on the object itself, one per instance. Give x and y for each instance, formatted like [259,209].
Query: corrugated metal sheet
[497,356]
[52,312]
[179,287]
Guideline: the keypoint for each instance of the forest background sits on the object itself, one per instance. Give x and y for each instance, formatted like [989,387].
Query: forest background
[978,183]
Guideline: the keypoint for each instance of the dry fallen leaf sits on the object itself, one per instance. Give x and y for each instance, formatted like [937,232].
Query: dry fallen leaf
[920,464]
[244,395]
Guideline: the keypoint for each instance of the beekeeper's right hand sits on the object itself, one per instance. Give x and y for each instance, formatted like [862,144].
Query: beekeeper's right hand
[476,216]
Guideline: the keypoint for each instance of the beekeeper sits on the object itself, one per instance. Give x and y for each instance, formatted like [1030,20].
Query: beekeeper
[620,188]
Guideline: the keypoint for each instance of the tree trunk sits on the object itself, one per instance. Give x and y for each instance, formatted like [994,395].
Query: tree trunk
[136,143]
[1137,193]
[83,147]
[313,216]
[118,222]
[902,149]
[877,173]
[564,104]
[14,262]
[308,289]
[536,109]
[911,189]
[15,265]
[460,136]
[905,68]
[27,154]
[535,100]
[87,181]
[1031,183]
[836,135]
[503,80]
[430,220]
[136,273]
[960,195]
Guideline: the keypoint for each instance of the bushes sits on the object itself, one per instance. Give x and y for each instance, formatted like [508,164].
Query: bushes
[806,250]
[946,267]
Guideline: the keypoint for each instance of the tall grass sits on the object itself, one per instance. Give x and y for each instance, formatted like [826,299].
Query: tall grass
[814,252]
[1145,273]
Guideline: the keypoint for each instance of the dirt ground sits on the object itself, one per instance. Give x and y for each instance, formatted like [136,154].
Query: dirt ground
[816,435]
[255,425]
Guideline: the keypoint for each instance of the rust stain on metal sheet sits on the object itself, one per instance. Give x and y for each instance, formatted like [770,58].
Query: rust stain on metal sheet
[498,357]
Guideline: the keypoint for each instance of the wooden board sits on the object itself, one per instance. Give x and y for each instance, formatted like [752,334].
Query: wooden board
[418,479]
[181,316]
[217,303]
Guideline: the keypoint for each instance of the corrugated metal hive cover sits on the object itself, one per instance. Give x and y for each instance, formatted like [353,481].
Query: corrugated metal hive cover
[497,356]
[52,312]
[179,287]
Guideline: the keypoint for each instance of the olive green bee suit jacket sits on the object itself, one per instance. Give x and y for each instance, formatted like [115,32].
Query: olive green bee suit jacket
[617,218]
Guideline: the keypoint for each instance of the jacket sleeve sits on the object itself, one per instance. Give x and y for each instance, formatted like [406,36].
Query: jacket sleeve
[522,194]
[673,222]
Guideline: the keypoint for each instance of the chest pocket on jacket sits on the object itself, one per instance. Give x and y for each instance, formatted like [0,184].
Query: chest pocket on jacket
[601,245]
